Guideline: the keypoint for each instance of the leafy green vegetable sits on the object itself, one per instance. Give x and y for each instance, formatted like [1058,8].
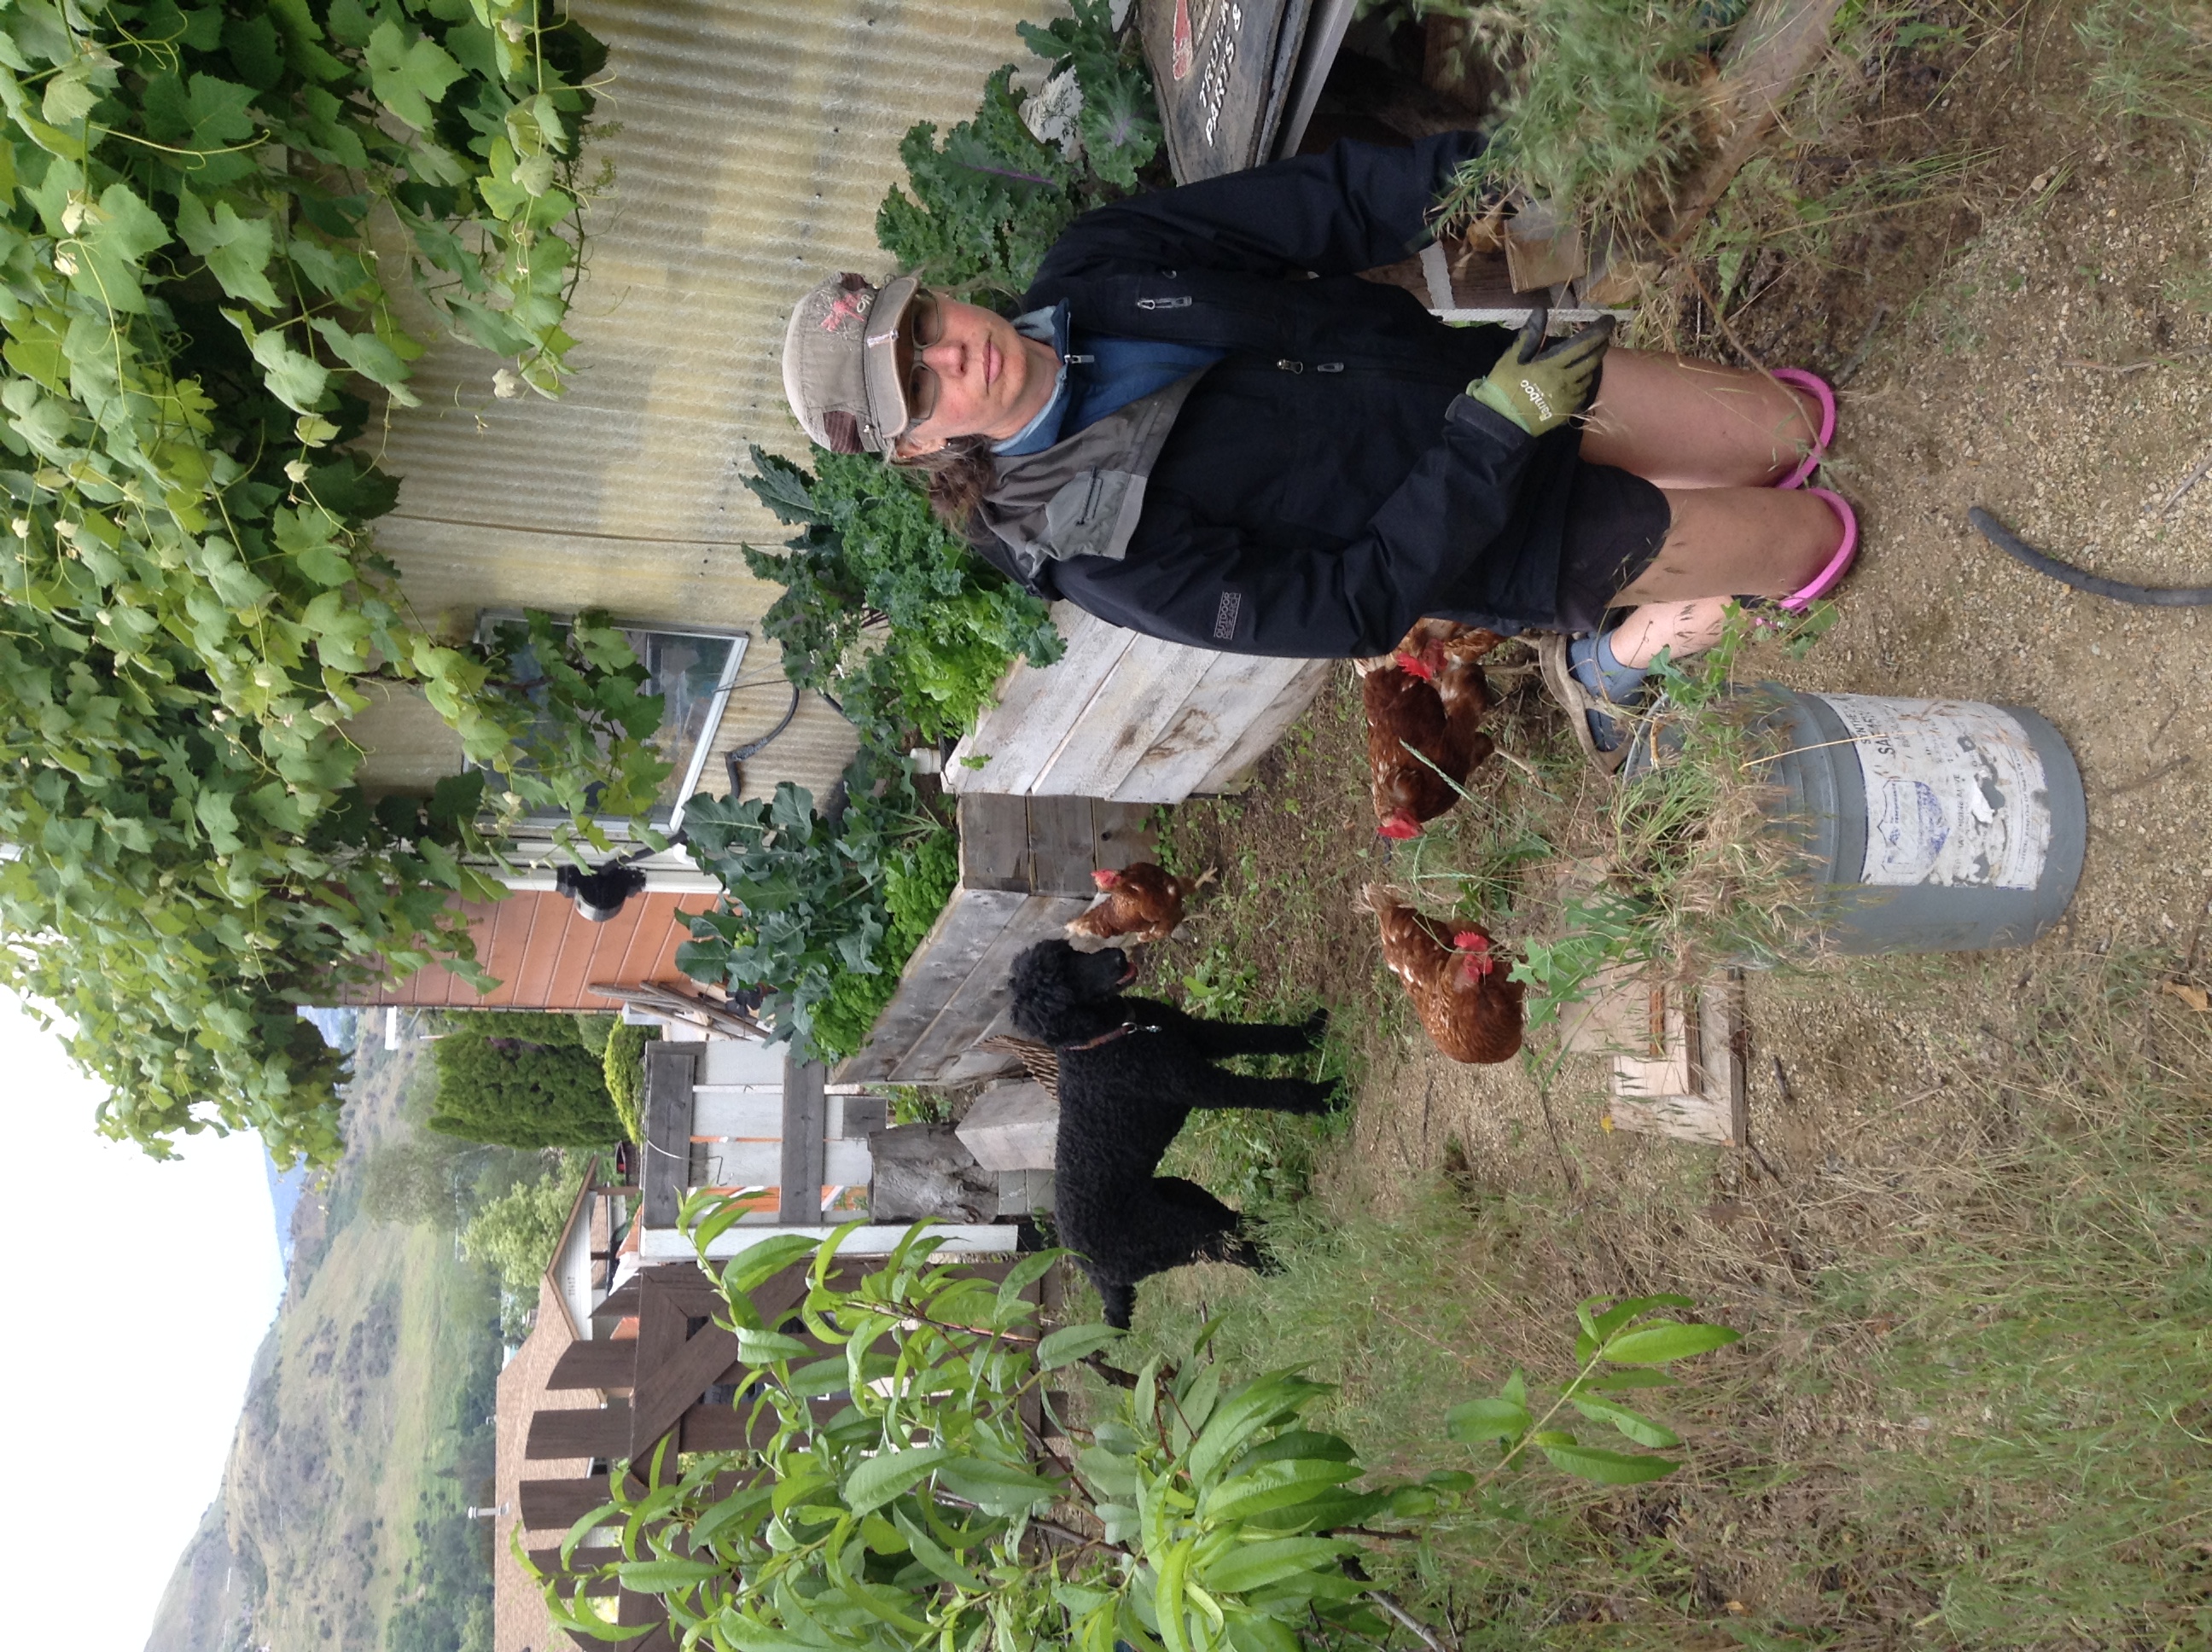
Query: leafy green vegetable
[883,606]
[977,216]
[822,910]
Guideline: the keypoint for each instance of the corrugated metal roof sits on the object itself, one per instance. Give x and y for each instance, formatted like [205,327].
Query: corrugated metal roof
[750,142]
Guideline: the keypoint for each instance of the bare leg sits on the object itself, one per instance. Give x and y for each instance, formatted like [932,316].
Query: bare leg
[1713,439]
[1746,542]
[1697,424]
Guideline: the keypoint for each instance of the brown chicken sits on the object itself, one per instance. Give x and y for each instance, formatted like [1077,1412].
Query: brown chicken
[1429,698]
[1459,985]
[1143,901]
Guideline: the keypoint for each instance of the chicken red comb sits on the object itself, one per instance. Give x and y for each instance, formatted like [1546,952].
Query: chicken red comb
[1413,666]
[1105,878]
[1471,940]
[1399,824]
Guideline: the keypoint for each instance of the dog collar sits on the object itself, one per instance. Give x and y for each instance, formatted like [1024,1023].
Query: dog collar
[1121,1031]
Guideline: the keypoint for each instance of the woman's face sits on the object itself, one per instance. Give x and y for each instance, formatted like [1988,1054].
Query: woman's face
[991,381]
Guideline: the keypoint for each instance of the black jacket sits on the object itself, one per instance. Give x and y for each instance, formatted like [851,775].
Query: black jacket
[1328,483]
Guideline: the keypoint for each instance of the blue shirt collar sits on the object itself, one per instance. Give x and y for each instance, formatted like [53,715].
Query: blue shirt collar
[1040,433]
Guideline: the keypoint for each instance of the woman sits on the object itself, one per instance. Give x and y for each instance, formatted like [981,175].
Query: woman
[1205,427]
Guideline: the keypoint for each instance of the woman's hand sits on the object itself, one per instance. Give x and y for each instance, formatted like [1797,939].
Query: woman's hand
[1539,389]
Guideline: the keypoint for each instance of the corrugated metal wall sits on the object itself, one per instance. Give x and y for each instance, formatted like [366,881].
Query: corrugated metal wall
[751,142]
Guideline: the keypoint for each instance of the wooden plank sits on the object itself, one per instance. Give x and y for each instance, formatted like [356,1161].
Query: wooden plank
[673,1375]
[670,1069]
[964,932]
[1773,48]
[805,1127]
[555,1505]
[1120,834]
[587,1432]
[1201,730]
[980,996]
[1036,706]
[737,1061]
[994,841]
[1062,838]
[1130,710]
[1253,741]
[604,1365]
[739,1164]
[672,1383]
[753,1113]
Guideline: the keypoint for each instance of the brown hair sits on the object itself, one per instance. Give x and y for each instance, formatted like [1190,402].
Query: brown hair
[959,475]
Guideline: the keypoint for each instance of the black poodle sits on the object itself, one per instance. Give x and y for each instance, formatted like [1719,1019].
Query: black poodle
[1131,1069]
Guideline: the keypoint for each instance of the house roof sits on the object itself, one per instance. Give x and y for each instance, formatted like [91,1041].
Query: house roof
[519,1620]
[547,956]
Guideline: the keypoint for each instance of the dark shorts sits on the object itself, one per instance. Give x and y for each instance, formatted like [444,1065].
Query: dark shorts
[1615,522]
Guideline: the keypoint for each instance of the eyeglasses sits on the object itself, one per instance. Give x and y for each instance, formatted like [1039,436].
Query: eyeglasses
[921,327]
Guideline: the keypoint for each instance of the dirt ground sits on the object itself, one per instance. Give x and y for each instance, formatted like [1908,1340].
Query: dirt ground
[2034,336]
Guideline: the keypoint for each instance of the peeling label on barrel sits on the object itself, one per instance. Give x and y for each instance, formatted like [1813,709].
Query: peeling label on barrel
[1955,792]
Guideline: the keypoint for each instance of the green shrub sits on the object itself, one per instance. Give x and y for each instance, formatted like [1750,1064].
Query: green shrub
[512,1237]
[1199,1512]
[622,1062]
[593,1030]
[513,1088]
[536,1026]
[1602,102]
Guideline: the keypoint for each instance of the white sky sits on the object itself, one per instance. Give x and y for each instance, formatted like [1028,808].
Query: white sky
[168,1277]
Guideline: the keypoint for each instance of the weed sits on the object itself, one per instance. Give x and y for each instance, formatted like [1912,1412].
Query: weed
[1973,1415]
[2150,60]
[2191,291]
[1603,106]
[918,1104]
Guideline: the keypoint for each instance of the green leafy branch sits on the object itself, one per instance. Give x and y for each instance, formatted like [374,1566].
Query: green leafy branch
[196,327]
[892,1492]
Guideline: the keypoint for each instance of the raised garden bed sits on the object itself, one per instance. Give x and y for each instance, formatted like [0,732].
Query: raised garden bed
[1026,866]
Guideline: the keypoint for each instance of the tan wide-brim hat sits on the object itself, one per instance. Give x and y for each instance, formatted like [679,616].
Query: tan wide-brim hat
[840,363]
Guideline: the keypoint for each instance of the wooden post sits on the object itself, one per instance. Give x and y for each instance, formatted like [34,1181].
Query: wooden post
[806,1128]
[670,1071]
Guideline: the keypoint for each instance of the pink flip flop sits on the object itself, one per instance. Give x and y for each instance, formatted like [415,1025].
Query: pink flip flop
[1797,602]
[1817,387]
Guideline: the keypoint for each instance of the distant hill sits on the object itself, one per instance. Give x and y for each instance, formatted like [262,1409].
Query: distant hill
[341,1524]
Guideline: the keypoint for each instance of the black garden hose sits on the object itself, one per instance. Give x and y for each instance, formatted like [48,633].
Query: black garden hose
[2147,596]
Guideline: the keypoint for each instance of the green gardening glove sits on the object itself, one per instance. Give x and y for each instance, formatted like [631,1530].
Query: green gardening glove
[1540,388]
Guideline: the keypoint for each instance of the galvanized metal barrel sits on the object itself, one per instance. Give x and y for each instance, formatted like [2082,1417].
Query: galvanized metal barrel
[1934,825]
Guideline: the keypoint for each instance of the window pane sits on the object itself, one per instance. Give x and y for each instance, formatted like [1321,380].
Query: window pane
[688,669]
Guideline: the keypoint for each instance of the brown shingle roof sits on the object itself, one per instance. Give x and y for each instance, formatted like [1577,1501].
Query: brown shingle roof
[519,1623]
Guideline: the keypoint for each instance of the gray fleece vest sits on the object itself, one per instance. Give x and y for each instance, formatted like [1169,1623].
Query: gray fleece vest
[1082,496]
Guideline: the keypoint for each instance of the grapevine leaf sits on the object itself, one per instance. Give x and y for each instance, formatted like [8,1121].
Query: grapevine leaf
[409,76]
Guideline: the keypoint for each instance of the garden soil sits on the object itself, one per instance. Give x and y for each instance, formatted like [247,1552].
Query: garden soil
[2035,338]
